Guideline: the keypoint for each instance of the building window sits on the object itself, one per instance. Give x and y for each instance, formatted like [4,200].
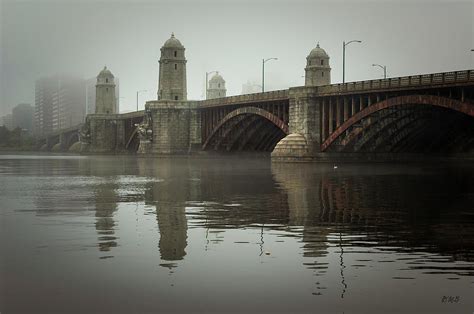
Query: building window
[322,62]
[175,66]
[175,97]
[309,62]
[322,74]
[219,85]
[175,53]
[106,80]
[106,89]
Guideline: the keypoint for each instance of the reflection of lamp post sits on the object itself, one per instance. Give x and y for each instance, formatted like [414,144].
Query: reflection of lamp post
[207,79]
[139,91]
[263,71]
[344,44]
[384,68]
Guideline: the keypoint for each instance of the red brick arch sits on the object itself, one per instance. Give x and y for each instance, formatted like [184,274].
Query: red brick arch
[247,110]
[432,100]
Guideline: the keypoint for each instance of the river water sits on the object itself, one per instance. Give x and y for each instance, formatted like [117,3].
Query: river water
[126,234]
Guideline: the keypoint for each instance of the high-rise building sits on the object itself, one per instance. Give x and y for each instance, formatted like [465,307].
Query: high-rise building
[44,89]
[7,121]
[69,103]
[60,102]
[172,81]
[22,117]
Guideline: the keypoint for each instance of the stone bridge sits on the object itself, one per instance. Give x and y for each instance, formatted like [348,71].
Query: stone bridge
[60,140]
[412,114]
[432,113]
[101,133]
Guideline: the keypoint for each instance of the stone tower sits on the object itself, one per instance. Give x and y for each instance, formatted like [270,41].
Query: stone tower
[105,102]
[172,80]
[216,87]
[317,71]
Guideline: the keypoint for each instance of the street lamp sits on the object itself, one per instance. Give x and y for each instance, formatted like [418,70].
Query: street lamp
[384,67]
[344,44]
[207,79]
[263,71]
[139,91]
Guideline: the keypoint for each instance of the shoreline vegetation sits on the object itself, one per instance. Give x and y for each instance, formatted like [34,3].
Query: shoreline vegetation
[16,140]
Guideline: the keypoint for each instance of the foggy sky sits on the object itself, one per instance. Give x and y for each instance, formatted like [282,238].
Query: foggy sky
[41,38]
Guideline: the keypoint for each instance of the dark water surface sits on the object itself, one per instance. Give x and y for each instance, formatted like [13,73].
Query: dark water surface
[125,234]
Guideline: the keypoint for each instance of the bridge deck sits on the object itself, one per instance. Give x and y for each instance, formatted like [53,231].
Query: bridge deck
[434,80]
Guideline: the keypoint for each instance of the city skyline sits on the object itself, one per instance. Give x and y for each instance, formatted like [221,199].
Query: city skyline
[218,37]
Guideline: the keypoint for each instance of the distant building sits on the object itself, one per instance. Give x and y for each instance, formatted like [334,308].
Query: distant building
[60,103]
[69,103]
[251,88]
[317,71]
[216,87]
[90,94]
[22,117]
[7,121]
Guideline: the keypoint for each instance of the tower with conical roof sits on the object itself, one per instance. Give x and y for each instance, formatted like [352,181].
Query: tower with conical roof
[105,102]
[172,80]
[216,87]
[317,71]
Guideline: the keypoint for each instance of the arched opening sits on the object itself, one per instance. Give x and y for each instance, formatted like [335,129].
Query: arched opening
[408,124]
[248,129]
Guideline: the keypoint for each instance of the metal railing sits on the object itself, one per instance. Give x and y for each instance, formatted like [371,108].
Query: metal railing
[400,82]
[247,98]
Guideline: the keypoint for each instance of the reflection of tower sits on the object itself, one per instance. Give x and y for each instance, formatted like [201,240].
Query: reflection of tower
[170,194]
[173,231]
[106,205]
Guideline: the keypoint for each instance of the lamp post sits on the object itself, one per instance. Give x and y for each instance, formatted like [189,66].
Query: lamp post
[207,79]
[384,68]
[344,44]
[139,91]
[263,71]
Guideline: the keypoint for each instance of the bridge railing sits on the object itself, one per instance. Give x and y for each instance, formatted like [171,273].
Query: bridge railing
[247,98]
[404,81]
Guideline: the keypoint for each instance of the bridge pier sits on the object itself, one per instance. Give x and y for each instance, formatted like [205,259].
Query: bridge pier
[304,138]
[176,127]
[106,134]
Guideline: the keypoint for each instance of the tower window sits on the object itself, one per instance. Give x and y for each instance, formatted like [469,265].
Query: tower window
[219,85]
[309,62]
[175,97]
[175,66]
[106,80]
[175,53]
[322,74]
[106,89]
[322,62]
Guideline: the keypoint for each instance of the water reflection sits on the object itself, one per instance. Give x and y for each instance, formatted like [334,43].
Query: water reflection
[169,196]
[247,222]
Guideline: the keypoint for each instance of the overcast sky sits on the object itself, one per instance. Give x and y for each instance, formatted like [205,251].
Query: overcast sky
[41,38]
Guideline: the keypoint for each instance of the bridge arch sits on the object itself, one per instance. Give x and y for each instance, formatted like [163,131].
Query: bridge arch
[426,100]
[276,124]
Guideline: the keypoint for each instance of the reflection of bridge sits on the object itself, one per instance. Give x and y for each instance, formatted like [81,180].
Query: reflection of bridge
[421,113]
